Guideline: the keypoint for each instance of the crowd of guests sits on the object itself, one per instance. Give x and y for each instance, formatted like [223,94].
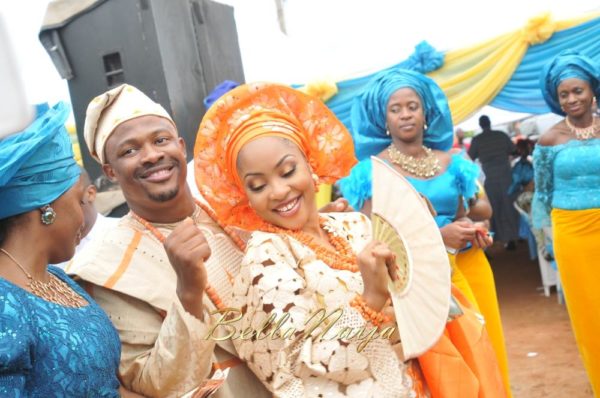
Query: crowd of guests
[149,289]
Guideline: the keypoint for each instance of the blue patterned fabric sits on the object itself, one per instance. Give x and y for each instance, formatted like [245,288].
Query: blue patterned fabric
[522,174]
[567,177]
[48,350]
[443,191]
[568,64]
[224,87]
[369,112]
[37,165]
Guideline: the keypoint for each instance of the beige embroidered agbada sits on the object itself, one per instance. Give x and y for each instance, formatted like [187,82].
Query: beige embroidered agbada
[164,350]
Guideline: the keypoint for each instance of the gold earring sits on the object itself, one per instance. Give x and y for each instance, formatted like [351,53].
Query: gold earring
[48,215]
[315,179]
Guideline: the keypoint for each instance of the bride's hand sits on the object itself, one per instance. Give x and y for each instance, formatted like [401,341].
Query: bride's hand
[377,263]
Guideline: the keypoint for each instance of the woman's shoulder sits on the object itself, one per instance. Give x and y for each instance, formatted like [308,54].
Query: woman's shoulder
[260,238]
[271,245]
[555,135]
[14,310]
[459,164]
[445,156]
[445,159]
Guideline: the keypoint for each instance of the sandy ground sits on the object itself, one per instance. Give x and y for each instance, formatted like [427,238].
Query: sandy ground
[543,357]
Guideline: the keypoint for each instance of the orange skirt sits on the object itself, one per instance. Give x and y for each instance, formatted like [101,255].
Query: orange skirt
[463,364]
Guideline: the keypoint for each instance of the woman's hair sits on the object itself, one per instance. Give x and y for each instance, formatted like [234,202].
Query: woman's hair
[523,147]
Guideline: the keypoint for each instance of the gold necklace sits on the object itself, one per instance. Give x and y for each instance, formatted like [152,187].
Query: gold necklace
[425,167]
[55,290]
[583,133]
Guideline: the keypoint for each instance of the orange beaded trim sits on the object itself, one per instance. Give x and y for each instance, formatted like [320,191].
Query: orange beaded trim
[343,258]
[210,291]
[375,317]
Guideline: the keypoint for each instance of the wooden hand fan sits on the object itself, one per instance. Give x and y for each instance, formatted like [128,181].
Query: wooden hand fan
[421,295]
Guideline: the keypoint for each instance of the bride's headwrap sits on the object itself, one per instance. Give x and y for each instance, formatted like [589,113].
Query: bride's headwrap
[257,110]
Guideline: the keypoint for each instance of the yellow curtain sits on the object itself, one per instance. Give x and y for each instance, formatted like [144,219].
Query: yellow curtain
[324,195]
[471,77]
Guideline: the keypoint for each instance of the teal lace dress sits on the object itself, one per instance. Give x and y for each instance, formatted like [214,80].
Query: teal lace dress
[567,177]
[48,350]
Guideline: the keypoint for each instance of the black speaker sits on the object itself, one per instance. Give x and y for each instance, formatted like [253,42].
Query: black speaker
[175,51]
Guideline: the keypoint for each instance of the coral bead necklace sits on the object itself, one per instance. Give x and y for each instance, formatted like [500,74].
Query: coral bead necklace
[343,258]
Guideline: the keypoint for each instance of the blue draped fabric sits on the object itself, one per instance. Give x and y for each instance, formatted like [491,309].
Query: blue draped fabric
[425,59]
[37,165]
[369,110]
[567,65]
[521,93]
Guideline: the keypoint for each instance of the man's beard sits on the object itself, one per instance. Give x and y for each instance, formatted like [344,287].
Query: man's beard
[164,196]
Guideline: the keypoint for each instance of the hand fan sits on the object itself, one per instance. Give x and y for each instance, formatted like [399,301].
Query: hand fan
[421,295]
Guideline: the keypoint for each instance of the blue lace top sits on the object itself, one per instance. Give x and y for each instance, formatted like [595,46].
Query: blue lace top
[443,190]
[567,177]
[48,350]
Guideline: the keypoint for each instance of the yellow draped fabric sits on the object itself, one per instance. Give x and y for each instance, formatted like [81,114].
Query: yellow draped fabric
[476,269]
[576,239]
[322,89]
[471,77]
[324,195]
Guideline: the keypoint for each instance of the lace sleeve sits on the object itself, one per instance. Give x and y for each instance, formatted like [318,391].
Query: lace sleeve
[358,187]
[543,165]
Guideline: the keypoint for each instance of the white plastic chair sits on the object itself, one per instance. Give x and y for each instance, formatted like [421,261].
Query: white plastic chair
[549,275]
[547,235]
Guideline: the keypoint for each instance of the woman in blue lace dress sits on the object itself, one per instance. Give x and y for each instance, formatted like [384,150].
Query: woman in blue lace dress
[403,118]
[566,165]
[54,340]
